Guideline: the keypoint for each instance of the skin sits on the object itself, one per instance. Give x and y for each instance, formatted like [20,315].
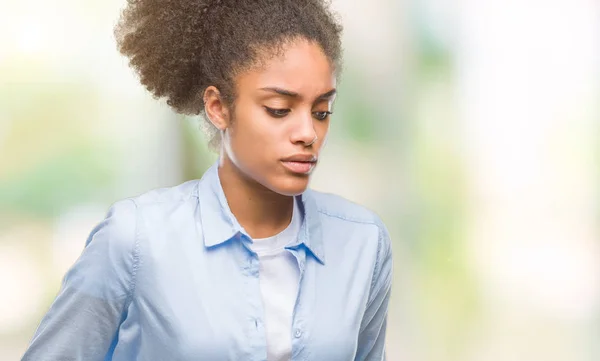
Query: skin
[258,186]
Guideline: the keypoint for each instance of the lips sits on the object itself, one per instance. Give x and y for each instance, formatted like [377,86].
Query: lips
[300,163]
[301,158]
[299,167]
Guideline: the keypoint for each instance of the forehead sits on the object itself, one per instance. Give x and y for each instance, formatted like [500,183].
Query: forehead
[301,67]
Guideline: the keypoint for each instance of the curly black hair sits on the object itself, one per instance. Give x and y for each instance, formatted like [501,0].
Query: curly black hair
[180,47]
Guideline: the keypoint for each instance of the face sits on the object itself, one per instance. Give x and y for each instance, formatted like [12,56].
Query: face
[281,119]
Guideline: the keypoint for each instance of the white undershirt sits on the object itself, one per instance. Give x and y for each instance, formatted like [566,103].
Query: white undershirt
[279,276]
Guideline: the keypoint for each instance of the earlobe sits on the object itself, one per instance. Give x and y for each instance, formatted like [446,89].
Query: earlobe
[214,108]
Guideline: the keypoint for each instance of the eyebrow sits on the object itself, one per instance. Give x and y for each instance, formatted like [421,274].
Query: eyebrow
[289,93]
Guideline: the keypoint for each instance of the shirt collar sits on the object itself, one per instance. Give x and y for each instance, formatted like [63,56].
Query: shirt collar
[311,234]
[219,225]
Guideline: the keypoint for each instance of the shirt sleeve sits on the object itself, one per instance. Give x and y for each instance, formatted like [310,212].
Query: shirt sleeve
[83,321]
[371,338]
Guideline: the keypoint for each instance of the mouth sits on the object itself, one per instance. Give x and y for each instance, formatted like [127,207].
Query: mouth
[300,163]
[299,167]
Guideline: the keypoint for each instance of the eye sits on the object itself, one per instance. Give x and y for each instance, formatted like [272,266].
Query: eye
[322,115]
[277,113]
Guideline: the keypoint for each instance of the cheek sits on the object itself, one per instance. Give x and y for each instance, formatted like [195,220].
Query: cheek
[322,130]
[252,141]
[253,131]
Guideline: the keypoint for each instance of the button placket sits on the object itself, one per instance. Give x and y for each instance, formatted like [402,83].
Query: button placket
[297,321]
[251,270]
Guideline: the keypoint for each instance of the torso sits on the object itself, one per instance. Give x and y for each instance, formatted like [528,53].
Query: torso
[193,302]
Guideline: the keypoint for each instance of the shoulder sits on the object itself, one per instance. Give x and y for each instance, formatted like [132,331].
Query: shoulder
[178,193]
[117,237]
[118,225]
[121,223]
[333,205]
[342,213]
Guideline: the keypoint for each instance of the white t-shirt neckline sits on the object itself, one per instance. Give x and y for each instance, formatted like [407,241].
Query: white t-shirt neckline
[275,244]
[279,275]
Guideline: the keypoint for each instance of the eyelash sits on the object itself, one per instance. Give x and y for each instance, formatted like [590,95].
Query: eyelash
[277,113]
[280,113]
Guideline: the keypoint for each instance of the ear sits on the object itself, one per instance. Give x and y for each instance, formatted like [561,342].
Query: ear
[215,108]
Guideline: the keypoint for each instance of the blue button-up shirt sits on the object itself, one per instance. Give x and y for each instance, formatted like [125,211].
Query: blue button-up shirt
[169,275]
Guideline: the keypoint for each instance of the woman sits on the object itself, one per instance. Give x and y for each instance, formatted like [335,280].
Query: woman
[245,263]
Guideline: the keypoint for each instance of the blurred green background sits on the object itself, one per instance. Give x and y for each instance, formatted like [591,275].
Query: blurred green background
[470,127]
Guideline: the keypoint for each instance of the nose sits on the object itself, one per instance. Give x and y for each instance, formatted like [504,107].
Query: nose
[304,130]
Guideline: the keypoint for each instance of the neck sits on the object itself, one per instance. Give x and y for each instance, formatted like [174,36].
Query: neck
[262,212]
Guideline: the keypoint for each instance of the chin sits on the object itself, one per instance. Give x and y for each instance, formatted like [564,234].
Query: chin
[291,186]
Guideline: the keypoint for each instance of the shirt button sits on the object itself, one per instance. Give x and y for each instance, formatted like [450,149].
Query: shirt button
[298,333]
